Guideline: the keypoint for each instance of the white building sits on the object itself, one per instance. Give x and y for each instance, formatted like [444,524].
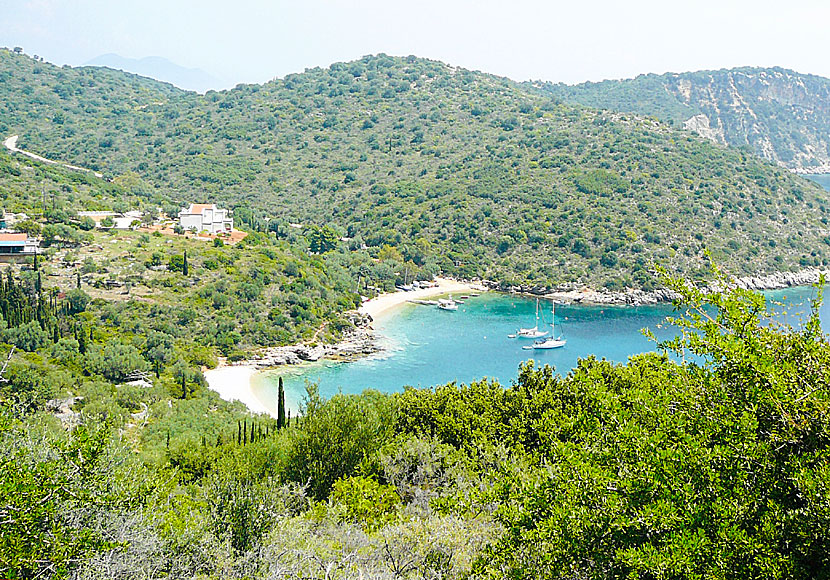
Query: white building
[206,217]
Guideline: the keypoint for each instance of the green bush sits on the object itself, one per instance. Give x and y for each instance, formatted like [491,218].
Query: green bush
[335,436]
[366,501]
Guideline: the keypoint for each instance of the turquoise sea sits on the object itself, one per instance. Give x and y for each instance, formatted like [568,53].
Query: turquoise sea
[425,346]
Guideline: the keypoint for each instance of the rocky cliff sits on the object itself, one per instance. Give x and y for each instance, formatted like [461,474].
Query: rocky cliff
[782,115]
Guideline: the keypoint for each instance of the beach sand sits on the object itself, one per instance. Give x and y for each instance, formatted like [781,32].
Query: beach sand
[235,383]
[386,303]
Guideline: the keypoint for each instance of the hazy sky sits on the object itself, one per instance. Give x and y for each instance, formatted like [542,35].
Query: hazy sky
[573,41]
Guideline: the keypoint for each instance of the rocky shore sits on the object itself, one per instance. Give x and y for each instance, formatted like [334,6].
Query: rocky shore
[570,294]
[356,343]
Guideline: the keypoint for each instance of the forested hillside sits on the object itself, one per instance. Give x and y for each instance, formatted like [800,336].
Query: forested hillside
[451,170]
[648,469]
[779,114]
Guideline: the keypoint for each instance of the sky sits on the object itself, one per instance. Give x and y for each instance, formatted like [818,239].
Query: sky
[254,41]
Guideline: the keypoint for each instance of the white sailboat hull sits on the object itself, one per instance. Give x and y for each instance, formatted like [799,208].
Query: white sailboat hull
[548,344]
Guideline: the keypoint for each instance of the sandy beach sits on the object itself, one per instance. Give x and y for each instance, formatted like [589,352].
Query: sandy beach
[235,383]
[385,303]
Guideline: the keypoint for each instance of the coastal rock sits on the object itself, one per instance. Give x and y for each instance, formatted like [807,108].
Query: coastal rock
[358,342]
[573,293]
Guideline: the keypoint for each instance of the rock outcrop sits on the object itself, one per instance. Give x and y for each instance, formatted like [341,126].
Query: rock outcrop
[356,343]
[573,294]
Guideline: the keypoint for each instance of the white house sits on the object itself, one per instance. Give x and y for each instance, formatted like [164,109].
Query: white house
[16,245]
[206,217]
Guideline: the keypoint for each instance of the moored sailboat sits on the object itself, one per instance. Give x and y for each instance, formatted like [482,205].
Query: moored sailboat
[530,332]
[552,341]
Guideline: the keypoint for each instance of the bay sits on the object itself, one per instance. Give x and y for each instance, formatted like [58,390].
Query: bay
[821,179]
[425,346]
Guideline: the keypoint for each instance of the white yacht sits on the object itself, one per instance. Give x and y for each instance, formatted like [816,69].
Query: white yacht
[552,341]
[447,304]
[530,332]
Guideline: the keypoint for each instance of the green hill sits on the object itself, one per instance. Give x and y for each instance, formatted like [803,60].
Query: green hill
[454,170]
[781,115]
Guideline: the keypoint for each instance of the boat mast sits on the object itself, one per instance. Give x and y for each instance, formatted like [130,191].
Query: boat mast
[553,318]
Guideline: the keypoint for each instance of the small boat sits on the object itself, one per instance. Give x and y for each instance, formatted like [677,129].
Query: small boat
[447,304]
[530,332]
[552,341]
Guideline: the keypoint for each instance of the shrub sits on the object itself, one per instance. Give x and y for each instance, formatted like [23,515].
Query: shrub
[366,501]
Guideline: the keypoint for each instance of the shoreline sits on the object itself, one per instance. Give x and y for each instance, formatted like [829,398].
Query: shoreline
[237,381]
[384,303]
[635,297]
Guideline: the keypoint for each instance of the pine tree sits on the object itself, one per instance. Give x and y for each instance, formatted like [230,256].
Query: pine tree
[280,405]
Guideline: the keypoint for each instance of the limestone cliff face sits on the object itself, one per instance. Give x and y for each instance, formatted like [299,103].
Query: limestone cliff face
[782,115]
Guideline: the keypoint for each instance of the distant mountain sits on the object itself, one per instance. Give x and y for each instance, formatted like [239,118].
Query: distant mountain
[782,115]
[451,170]
[156,67]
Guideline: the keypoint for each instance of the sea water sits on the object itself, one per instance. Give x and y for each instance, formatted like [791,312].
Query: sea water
[424,346]
[821,179]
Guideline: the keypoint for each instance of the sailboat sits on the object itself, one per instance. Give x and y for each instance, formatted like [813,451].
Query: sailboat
[552,341]
[530,332]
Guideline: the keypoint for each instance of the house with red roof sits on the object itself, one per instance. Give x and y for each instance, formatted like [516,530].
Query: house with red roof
[206,217]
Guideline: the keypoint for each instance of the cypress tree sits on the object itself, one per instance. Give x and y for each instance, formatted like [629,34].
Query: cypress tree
[185,269]
[81,338]
[77,279]
[252,432]
[36,264]
[239,433]
[280,405]
[288,421]
[245,432]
